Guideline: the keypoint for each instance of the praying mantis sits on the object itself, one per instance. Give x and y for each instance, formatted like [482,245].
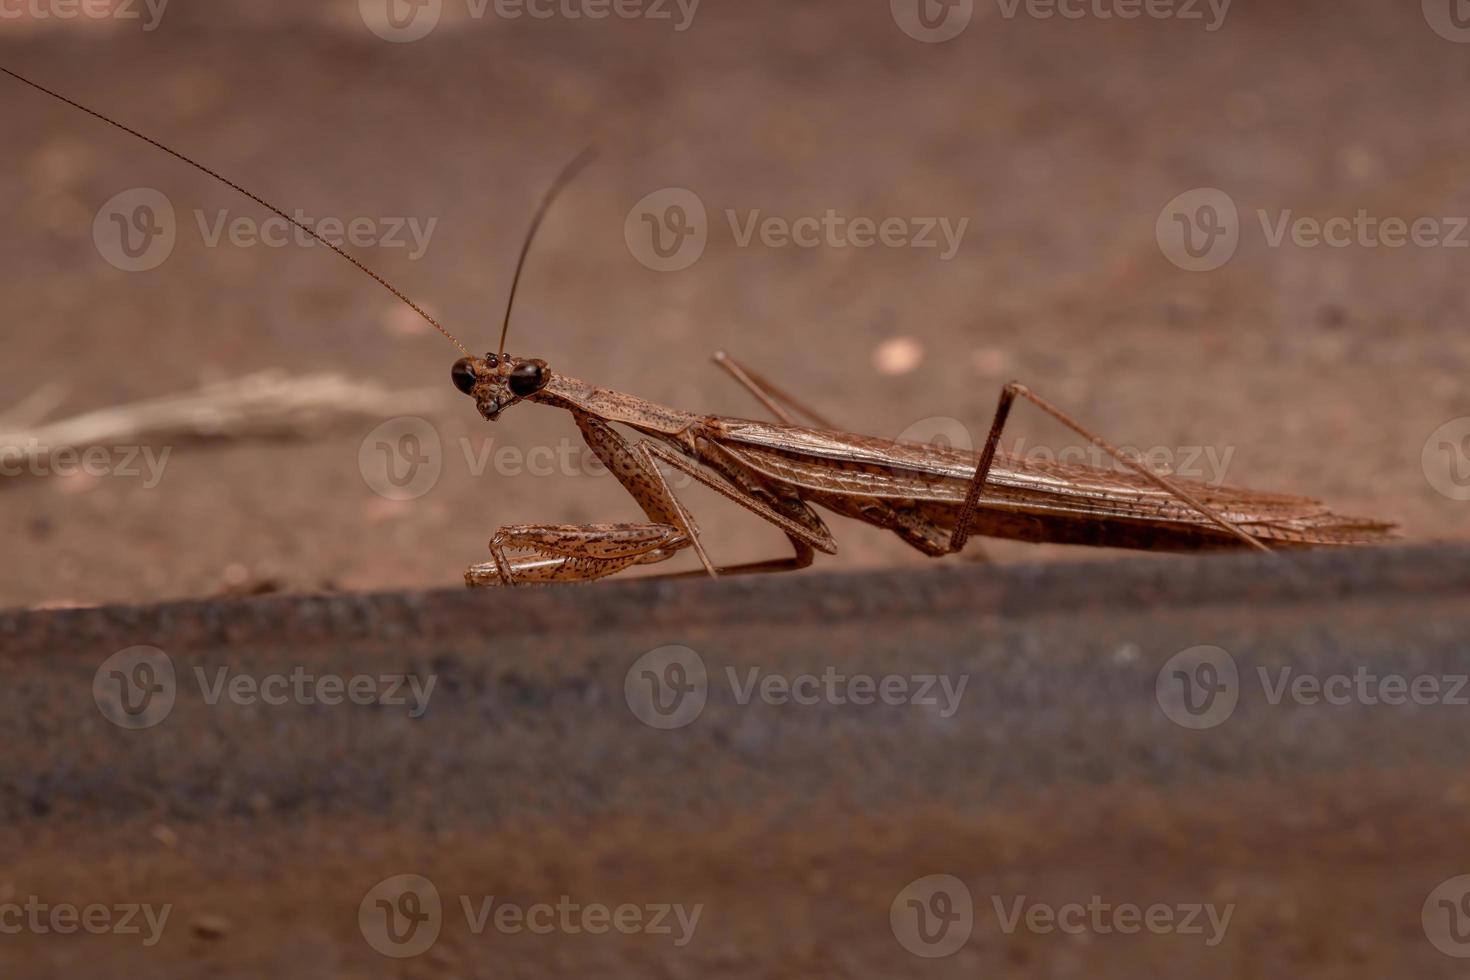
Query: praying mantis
[933,498]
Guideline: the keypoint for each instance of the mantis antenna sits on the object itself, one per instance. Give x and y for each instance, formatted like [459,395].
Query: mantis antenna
[254,197]
[568,173]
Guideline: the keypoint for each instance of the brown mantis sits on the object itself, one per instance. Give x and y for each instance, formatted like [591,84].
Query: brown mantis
[933,498]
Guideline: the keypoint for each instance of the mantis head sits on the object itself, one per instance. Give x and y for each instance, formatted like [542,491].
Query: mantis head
[497,381]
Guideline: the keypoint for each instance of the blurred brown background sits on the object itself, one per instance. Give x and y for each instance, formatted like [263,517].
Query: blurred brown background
[1324,370]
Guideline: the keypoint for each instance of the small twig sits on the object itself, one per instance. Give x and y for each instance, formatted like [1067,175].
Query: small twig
[269,405]
[34,407]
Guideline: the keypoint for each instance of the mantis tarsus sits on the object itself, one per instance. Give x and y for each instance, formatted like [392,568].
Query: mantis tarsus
[933,498]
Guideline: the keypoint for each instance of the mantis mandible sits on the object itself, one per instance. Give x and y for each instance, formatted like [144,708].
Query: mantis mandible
[933,498]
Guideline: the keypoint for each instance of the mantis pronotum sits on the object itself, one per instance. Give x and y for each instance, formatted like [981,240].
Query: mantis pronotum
[932,498]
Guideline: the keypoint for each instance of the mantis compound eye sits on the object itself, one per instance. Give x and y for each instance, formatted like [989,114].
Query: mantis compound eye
[528,378]
[463,375]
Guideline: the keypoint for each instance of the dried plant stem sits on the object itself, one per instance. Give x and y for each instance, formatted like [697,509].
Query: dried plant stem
[268,405]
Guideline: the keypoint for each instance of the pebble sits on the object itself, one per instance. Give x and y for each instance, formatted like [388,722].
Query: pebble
[901,355]
[210,927]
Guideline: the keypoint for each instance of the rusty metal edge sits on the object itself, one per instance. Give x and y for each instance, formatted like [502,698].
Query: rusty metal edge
[970,590]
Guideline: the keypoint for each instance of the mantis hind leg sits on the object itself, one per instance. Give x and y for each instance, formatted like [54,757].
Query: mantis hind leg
[776,401]
[804,554]
[1008,395]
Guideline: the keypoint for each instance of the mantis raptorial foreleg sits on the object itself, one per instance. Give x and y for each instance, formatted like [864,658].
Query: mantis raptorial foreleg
[582,552]
[573,552]
[577,552]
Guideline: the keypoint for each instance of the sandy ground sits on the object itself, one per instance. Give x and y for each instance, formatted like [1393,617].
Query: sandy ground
[1320,370]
